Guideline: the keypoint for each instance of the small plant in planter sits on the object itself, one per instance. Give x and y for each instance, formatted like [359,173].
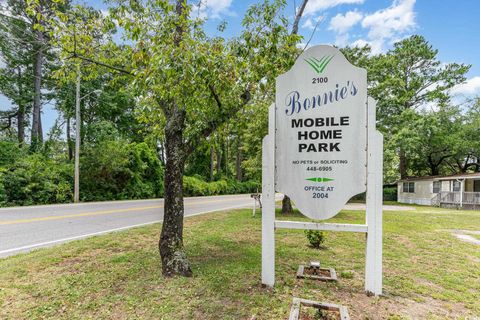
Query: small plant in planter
[315,238]
[325,315]
[303,309]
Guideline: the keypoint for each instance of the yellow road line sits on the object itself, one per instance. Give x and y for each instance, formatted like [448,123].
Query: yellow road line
[96,213]
[84,214]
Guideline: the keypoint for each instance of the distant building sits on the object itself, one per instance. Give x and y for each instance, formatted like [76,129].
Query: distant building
[459,190]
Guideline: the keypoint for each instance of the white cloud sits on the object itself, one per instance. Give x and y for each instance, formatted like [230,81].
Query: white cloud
[314,6]
[470,87]
[360,43]
[342,23]
[310,22]
[375,45]
[390,23]
[382,27]
[214,8]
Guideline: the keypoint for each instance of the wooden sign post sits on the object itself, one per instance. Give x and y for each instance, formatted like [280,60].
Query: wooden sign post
[322,148]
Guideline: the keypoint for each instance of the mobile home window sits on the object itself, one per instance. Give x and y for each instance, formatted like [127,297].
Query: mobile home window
[437,185]
[476,185]
[456,185]
[409,187]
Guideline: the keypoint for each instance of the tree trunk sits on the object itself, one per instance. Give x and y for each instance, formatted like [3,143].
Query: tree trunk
[37,135]
[403,164]
[212,162]
[69,141]
[174,258]
[226,157]
[238,162]
[21,125]
[286,205]
[431,164]
[161,152]
[219,160]
[298,16]
[172,252]
[21,111]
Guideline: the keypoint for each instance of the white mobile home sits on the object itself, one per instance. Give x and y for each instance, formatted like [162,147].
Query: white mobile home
[460,190]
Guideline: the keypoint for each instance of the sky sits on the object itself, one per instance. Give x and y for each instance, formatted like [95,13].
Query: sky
[452,27]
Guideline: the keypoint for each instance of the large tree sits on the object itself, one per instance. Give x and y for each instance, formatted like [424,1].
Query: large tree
[406,79]
[430,139]
[16,74]
[467,149]
[194,83]
[30,21]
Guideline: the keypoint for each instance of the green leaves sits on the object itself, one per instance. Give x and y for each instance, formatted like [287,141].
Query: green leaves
[407,81]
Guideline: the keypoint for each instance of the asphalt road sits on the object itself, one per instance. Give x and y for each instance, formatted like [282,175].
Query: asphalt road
[24,229]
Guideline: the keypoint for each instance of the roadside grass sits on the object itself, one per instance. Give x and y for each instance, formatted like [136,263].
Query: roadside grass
[428,273]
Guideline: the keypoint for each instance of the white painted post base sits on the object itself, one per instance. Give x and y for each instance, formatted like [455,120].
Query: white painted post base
[268,205]
[373,259]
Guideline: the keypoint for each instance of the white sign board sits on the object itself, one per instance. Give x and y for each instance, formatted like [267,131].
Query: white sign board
[321,132]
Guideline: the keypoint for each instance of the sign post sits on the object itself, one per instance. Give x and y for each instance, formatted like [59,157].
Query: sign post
[268,206]
[322,148]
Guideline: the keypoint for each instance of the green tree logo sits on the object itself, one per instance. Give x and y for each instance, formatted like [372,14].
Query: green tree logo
[319,65]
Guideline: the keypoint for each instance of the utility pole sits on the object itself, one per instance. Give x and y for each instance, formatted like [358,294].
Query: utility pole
[76,187]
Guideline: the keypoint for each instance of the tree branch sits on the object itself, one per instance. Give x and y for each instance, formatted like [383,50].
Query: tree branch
[223,117]
[215,96]
[75,55]
[298,16]
[8,116]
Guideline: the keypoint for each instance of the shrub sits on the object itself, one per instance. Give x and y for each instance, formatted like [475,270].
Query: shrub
[315,237]
[10,152]
[195,186]
[147,172]
[3,195]
[390,194]
[113,170]
[37,179]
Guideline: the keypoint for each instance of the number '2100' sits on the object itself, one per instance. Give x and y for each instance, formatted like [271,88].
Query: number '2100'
[319,80]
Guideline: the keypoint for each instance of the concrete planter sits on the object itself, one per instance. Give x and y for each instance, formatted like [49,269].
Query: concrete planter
[314,272]
[333,310]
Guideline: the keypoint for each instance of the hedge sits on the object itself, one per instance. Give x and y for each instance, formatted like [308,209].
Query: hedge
[389,194]
[194,186]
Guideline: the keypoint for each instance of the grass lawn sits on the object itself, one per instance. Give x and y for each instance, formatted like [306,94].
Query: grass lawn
[428,273]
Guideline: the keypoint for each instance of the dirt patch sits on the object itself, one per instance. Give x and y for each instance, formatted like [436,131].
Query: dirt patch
[361,307]
[466,235]
[316,314]
[405,241]
[316,273]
